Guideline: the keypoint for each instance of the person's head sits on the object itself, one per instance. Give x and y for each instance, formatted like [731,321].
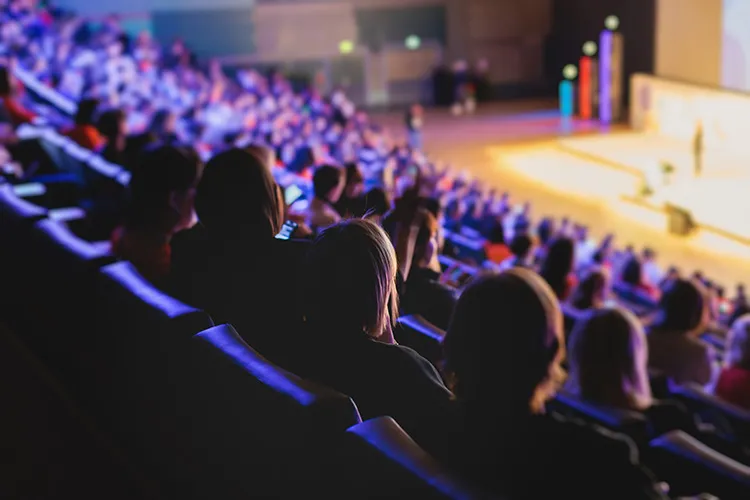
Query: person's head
[427,243]
[521,245]
[7,81]
[545,230]
[505,343]
[609,360]
[163,123]
[738,344]
[111,124]
[328,183]
[350,279]
[86,112]
[238,195]
[496,234]
[377,204]
[648,254]
[558,264]
[591,292]
[355,182]
[162,190]
[632,272]
[683,307]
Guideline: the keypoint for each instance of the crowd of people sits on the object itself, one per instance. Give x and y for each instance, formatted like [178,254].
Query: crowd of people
[546,310]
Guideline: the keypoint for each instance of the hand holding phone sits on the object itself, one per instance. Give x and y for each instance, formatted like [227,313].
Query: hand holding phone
[287,230]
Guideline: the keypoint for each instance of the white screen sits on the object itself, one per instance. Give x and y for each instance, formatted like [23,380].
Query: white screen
[735,54]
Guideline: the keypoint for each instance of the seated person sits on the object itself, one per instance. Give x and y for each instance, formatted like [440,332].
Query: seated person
[231,264]
[557,267]
[673,343]
[160,203]
[84,132]
[377,204]
[590,293]
[521,247]
[495,248]
[328,185]
[424,294]
[633,278]
[503,352]
[352,201]
[734,380]
[17,113]
[350,303]
[112,126]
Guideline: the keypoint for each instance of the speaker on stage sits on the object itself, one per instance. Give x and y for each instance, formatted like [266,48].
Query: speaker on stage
[680,221]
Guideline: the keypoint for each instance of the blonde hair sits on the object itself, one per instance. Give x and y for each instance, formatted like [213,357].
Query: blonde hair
[738,343]
[351,279]
[608,360]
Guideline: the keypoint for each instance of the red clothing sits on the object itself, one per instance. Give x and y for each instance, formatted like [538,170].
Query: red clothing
[152,259]
[18,114]
[497,252]
[734,386]
[86,136]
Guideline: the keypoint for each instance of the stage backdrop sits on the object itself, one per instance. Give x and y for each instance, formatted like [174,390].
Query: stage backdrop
[689,40]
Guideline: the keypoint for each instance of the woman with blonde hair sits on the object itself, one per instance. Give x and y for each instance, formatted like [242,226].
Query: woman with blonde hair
[609,360]
[350,302]
[503,352]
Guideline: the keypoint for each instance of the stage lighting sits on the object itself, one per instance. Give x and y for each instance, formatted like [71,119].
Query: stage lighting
[346,46]
[590,48]
[413,42]
[612,23]
[570,72]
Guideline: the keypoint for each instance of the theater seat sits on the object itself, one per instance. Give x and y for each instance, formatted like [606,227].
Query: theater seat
[379,460]
[416,332]
[134,342]
[258,417]
[630,423]
[730,420]
[690,467]
[16,214]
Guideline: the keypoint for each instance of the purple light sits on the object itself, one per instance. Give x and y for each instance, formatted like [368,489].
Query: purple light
[605,76]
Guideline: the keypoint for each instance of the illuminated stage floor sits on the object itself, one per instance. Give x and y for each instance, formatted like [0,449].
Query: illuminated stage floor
[517,147]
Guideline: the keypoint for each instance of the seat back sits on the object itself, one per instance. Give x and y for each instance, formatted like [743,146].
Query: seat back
[729,419]
[416,332]
[284,423]
[632,424]
[379,460]
[136,342]
[691,468]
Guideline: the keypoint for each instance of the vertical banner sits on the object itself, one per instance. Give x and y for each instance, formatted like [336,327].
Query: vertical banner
[585,110]
[618,49]
[605,76]
[567,104]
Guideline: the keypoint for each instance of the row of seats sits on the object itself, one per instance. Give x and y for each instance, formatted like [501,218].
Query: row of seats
[204,414]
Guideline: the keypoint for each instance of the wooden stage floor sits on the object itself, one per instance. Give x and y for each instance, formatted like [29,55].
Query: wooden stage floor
[516,147]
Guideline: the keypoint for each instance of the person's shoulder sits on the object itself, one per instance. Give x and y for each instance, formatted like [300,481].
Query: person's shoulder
[408,363]
[593,441]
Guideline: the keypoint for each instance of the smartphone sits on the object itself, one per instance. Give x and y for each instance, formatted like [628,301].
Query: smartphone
[292,193]
[287,230]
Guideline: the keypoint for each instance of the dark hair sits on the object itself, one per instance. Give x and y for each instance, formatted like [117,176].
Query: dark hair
[109,123]
[85,114]
[520,245]
[326,177]
[592,284]
[515,316]
[545,230]
[161,171]
[353,174]
[5,82]
[433,206]
[238,194]
[496,233]
[632,272]
[681,307]
[377,202]
[558,264]
[159,122]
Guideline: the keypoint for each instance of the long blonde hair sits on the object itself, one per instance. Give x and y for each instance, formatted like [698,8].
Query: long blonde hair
[609,359]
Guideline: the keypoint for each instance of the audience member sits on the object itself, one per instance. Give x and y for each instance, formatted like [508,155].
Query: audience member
[111,126]
[424,294]
[734,380]
[608,360]
[504,438]
[328,185]
[674,347]
[521,247]
[160,203]
[632,277]
[352,201]
[350,303]
[495,249]
[557,267]
[231,264]
[84,131]
[377,204]
[17,113]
